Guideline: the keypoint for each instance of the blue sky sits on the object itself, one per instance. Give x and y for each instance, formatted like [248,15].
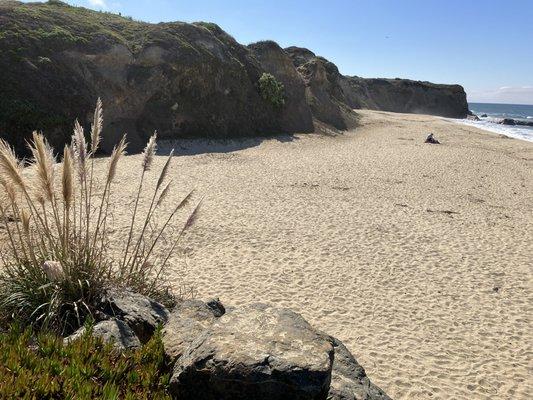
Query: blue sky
[486,46]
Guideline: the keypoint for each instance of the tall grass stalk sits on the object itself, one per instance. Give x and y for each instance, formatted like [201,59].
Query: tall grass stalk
[56,264]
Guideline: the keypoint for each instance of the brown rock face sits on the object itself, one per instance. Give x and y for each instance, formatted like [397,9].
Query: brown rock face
[405,96]
[328,86]
[296,114]
[323,91]
[185,80]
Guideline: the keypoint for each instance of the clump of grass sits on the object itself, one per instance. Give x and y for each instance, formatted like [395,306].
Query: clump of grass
[56,264]
[43,367]
[272,90]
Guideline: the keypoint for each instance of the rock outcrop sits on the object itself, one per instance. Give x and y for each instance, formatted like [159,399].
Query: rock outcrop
[260,352]
[188,321]
[112,330]
[406,96]
[255,351]
[125,318]
[142,314]
[323,90]
[396,95]
[296,115]
[185,80]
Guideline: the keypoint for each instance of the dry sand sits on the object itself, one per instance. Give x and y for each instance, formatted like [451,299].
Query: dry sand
[418,257]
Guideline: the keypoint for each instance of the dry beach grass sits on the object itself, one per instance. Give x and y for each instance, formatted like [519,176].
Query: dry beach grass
[417,256]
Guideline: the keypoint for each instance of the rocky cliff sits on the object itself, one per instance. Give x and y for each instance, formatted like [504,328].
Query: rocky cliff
[396,95]
[185,80]
[182,79]
[406,96]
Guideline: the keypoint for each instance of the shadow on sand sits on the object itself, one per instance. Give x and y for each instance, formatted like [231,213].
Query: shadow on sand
[191,147]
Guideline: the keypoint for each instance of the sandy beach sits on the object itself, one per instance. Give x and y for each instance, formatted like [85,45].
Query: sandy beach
[418,257]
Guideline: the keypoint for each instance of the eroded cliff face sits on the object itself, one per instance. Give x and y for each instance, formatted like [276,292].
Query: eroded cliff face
[405,96]
[185,80]
[296,114]
[396,95]
[323,91]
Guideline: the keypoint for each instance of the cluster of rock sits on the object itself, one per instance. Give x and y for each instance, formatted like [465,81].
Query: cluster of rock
[510,121]
[251,352]
[503,121]
[185,80]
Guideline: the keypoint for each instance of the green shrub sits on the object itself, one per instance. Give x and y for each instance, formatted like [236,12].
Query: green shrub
[209,25]
[271,90]
[42,367]
[57,264]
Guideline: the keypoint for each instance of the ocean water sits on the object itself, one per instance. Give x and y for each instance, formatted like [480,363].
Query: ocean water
[496,112]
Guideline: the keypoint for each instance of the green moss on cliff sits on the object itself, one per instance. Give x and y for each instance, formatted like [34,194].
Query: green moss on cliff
[57,26]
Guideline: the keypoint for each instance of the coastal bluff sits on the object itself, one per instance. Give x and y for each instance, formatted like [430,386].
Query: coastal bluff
[185,80]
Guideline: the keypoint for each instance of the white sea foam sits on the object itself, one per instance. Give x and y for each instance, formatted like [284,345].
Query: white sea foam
[517,132]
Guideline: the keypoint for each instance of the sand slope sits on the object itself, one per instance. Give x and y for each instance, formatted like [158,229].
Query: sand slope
[419,257]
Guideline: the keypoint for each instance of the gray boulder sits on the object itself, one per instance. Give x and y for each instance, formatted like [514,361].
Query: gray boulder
[142,314]
[348,378]
[112,330]
[187,321]
[253,352]
[258,352]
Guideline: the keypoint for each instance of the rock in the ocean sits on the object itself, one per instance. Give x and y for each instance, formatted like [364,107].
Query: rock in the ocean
[507,121]
[112,330]
[472,117]
[141,313]
[483,115]
[510,121]
[349,380]
[255,352]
